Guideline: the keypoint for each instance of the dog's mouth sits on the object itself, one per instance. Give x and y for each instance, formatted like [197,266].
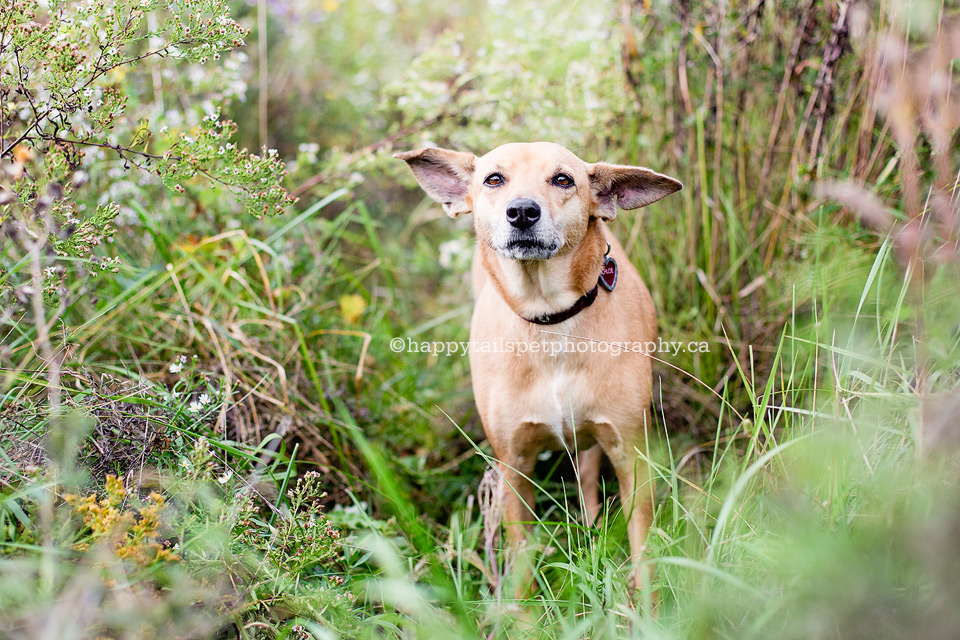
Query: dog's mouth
[528,249]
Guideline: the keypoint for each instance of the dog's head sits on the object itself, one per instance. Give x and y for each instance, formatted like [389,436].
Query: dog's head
[532,200]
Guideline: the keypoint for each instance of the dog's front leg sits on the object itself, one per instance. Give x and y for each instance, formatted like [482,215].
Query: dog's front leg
[519,515]
[636,497]
[627,451]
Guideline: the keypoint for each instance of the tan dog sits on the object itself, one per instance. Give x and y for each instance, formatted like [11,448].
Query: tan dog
[540,215]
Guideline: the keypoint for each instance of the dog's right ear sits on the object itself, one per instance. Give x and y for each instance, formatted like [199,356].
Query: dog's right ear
[445,175]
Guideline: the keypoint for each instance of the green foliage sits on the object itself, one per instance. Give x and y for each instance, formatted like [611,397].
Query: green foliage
[518,86]
[204,535]
[254,178]
[67,104]
[213,437]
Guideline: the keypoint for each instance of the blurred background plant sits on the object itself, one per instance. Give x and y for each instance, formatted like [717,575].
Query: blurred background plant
[206,434]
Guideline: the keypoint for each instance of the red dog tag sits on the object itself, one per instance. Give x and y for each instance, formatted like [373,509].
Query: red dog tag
[608,274]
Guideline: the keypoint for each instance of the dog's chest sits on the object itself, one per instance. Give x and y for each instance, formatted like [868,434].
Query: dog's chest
[565,402]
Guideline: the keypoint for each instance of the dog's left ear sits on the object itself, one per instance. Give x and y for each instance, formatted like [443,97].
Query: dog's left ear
[445,175]
[629,187]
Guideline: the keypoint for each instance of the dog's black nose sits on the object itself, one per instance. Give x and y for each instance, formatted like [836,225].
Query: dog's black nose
[523,213]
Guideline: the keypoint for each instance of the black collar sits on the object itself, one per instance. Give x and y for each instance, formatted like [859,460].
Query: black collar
[582,303]
[608,279]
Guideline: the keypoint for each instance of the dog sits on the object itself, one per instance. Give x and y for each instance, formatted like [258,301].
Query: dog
[546,270]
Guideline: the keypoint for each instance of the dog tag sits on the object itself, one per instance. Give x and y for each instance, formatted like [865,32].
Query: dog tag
[608,274]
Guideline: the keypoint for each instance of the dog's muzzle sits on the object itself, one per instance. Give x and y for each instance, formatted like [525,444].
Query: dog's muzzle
[528,234]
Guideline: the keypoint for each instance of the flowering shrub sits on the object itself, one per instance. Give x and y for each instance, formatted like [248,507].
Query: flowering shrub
[302,540]
[210,547]
[132,533]
[71,106]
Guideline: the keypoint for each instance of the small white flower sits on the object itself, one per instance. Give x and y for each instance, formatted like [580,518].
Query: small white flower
[177,365]
[225,478]
[203,399]
[195,407]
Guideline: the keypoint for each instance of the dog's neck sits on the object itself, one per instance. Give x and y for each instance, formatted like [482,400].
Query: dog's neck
[533,288]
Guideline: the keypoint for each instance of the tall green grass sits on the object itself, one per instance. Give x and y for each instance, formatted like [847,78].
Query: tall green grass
[806,466]
[820,515]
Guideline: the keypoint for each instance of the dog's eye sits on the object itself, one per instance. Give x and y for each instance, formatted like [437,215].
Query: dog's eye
[493,180]
[562,180]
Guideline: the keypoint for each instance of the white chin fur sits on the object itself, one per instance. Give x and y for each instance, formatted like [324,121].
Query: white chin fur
[542,242]
[538,252]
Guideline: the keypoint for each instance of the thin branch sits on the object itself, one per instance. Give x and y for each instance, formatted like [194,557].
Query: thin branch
[98,73]
[115,147]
